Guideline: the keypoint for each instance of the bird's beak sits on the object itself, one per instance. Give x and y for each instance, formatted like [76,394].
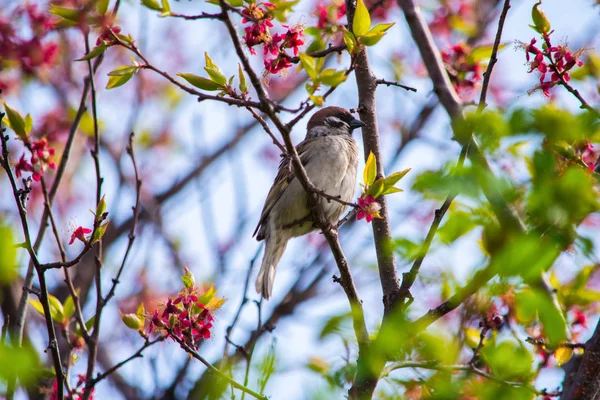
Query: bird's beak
[356,123]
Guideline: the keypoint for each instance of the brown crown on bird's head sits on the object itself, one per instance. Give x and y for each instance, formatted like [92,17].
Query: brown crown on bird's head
[332,121]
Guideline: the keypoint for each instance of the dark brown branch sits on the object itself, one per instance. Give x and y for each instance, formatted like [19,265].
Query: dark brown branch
[586,385]
[52,341]
[391,83]
[204,15]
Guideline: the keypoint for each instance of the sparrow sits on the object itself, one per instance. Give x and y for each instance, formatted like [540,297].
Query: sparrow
[329,155]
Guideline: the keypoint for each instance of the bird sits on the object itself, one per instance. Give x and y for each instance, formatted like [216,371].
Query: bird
[329,155]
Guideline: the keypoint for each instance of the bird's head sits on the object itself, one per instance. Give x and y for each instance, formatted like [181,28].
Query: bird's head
[332,121]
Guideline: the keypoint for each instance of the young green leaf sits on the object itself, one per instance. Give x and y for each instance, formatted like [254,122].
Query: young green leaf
[214,71]
[118,80]
[376,189]
[166,7]
[243,85]
[70,14]
[102,6]
[100,231]
[28,123]
[37,305]
[16,122]
[152,4]
[188,278]
[482,53]
[101,208]
[68,308]
[372,37]
[141,311]
[56,309]
[95,52]
[362,19]
[200,82]
[123,70]
[309,65]
[132,321]
[235,3]
[331,77]
[370,171]
[540,19]
[349,40]
[208,295]
[395,177]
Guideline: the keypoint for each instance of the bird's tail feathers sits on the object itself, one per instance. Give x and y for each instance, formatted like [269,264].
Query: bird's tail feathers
[266,275]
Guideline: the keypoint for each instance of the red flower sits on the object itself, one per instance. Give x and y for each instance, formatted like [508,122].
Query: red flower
[579,318]
[79,233]
[369,208]
[21,166]
[293,39]
[277,64]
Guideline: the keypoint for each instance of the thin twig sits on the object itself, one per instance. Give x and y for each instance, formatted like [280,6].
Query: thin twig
[136,214]
[137,354]
[391,83]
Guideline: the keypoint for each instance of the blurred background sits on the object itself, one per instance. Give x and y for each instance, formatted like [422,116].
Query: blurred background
[206,169]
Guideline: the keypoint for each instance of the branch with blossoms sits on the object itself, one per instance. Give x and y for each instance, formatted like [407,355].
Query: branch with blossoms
[557,61]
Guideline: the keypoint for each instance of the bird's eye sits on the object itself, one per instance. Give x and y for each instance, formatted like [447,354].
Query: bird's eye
[335,122]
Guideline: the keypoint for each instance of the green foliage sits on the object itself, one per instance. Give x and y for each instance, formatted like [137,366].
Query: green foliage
[120,76]
[9,268]
[488,126]
[266,368]
[508,360]
[533,305]
[21,126]
[541,24]
[334,324]
[22,362]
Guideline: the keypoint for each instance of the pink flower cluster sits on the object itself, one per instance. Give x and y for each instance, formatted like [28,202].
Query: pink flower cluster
[557,60]
[464,75]
[185,318]
[442,19]
[106,37]
[31,54]
[369,208]
[76,392]
[329,14]
[42,157]
[259,16]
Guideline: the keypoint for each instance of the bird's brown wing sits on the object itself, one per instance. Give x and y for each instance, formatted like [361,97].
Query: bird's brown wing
[285,176]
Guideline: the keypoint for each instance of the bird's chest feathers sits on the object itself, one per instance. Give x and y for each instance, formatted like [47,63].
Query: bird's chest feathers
[333,166]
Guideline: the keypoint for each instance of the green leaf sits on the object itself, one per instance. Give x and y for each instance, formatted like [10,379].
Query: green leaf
[28,123]
[69,14]
[56,309]
[88,325]
[508,360]
[141,311]
[68,308]
[208,295]
[482,53]
[37,305]
[309,65]
[349,40]
[100,231]
[16,122]
[151,4]
[458,224]
[188,279]
[370,171]
[540,19]
[374,35]
[331,77]
[395,177]
[123,70]
[101,208]
[235,3]
[243,85]
[132,321]
[362,19]
[95,52]
[334,324]
[166,7]
[266,368]
[116,81]
[102,6]
[214,71]
[20,362]
[317,45]
[391,190]
[9,268]
[376,189]
[200,82]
